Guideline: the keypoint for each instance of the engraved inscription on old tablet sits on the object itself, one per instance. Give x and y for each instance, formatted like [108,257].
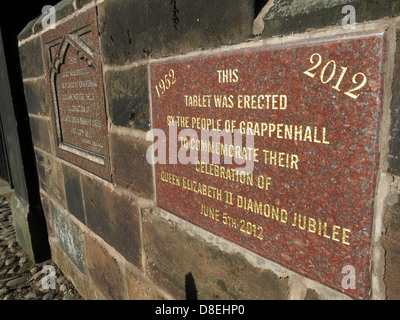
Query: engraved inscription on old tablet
[76,88]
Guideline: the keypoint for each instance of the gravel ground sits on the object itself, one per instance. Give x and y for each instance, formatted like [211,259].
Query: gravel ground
[20,278]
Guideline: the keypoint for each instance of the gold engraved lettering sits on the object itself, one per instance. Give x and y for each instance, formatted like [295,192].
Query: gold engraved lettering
[231,174]
[317,64]
[200,101]
[206,124]
[251,229]
[312,225]
[223,101]
[228,75]
[302,224]
[182,122]
[165,83]
[228,197]
[263,182]
[203,189]
[210,212]
[335,233]
[358,87]
[263,209]
[325,79]
[281,159]
[321,228]
[229,221]
[170,178]
[264,101]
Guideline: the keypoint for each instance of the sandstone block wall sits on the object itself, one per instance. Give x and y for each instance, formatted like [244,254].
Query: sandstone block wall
[109,237]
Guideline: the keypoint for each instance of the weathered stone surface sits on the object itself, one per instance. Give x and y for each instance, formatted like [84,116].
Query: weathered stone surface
[394,164]
[133,30]
[81,281]
[41,128]
[139,289]
[21,224]
[31,58]
[81,3]
[27,31]
[63,9]
[394,142]
[127,96]
[172,254]
[129,164]
[69,237]
[391,243]
[36,97]
[51,177]
[104,270]
[73,192]
[114,217]
[287,16]
[311,295]
[47,215]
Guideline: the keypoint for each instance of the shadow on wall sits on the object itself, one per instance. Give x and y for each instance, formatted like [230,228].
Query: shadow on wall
[190,287]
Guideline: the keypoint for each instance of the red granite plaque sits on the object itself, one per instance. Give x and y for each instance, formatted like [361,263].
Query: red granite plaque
[313,109]
[75,83]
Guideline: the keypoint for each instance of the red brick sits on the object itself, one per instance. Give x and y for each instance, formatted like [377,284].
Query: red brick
[140,289]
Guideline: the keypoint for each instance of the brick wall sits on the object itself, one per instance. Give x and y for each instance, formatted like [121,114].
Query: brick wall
[109,238]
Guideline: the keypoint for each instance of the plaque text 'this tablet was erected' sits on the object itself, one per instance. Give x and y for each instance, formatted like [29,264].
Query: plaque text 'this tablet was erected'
[306,116]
